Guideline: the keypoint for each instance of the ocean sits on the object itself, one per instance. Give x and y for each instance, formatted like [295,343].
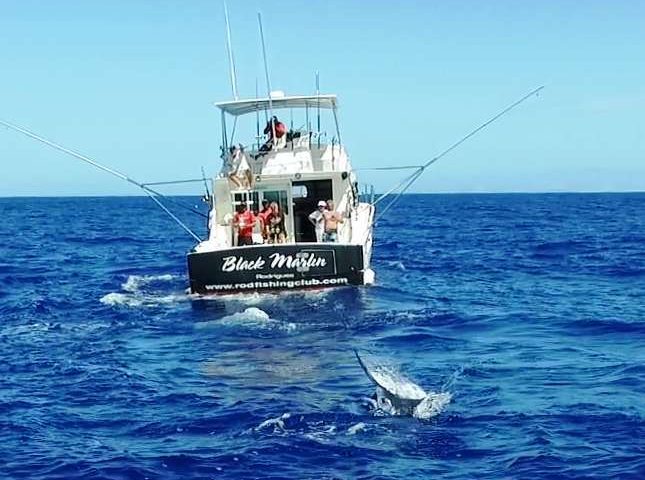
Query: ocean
[526,310]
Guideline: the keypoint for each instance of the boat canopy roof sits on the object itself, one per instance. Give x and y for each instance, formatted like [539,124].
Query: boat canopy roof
[242,107]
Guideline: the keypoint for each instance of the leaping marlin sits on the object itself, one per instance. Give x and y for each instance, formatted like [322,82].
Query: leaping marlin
[397,395]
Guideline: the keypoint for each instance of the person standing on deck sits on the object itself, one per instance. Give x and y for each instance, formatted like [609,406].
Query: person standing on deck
[332,219]
[317,218]
[243,222]
[263,216]
[275,229]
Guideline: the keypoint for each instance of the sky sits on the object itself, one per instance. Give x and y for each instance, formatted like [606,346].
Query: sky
[131,83]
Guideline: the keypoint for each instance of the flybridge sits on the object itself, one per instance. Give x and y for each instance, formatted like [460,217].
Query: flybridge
[242,107]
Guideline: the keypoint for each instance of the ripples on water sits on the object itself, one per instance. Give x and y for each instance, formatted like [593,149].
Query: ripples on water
[527,309]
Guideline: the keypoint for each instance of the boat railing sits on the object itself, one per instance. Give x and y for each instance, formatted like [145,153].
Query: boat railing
[320,159]
[293,140]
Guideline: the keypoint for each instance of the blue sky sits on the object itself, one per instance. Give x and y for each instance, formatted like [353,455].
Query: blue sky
[131,84]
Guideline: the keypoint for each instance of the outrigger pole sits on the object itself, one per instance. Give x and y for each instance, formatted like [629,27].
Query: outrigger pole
[409,180]
[151,193]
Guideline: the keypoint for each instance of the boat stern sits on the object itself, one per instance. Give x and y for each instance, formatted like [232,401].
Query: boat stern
[275,267]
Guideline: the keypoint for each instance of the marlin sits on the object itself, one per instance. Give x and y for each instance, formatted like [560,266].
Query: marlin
[397,395]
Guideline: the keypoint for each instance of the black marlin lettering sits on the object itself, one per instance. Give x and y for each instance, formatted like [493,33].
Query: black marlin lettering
[234,263]
[302,261]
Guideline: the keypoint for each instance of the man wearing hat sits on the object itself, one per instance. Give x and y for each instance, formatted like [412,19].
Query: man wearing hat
[317,218]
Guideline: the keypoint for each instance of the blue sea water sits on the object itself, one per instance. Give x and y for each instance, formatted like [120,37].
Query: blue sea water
[529,310]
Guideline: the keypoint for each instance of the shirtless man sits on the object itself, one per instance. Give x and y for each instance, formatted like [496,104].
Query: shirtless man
[332,219]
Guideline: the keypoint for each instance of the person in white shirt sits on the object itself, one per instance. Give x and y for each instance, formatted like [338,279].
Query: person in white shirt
[317,218]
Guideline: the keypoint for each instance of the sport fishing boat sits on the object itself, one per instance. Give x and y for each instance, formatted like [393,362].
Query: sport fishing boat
[285,211]
[260,234]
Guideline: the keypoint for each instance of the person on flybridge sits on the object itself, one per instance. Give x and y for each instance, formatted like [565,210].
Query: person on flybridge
[317,218]
[274,126]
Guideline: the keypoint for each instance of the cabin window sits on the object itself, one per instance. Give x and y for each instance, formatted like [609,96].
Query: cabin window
[250,199]
[278,196]
[299,191]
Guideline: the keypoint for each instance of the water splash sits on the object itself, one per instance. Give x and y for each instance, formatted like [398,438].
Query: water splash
[121,299]
[432,405]
[137,292]
[277,423]
[134,282]
[354,429]
[396,264]
[252,317]
[398,395]
[116,299]
[257,298]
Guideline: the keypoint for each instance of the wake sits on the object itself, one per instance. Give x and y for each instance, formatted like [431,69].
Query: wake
[144,291]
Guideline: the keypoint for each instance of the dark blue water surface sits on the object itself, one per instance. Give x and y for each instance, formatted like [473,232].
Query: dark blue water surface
[528,309]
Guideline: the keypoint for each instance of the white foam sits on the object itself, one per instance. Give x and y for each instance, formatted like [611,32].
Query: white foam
[135,282]
[135,295]
[252,317]
[432,405]
[276,423]
[118,299]
[139,299]
[321,433]
[251,314]
[256,298]
[354,429]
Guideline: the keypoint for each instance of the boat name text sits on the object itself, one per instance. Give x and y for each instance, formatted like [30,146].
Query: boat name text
[300,262]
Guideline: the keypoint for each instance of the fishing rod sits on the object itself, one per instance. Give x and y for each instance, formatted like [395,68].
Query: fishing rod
[407,182]
[208,193]
[149,191]
[176,182]
[402,167]
[208,198]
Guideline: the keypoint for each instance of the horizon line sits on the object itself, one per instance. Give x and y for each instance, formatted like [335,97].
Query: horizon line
[509,192]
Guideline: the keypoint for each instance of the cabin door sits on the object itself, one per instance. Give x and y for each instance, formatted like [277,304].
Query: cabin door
[306,195]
